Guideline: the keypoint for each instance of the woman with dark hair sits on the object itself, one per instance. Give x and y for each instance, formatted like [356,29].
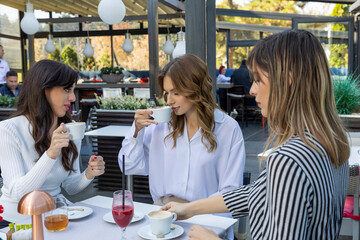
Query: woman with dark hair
[301,192]
[36,153]
[199,153]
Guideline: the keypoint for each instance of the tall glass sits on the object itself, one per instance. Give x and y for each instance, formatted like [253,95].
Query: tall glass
[122,209]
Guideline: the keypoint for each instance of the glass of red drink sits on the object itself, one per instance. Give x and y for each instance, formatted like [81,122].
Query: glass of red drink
[122,209]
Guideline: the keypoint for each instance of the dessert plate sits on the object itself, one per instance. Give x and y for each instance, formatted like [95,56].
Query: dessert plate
[145,232]
[137,217]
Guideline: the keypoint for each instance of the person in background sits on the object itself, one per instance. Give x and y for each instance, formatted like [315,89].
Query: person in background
[222,91]
[301,193]
[4,67]
[221,77]
[241,76]
[11,87]
[36,152]
[199,153]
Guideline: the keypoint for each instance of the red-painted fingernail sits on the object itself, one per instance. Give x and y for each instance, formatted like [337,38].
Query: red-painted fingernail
[88,164]
[95,157]
[92,169]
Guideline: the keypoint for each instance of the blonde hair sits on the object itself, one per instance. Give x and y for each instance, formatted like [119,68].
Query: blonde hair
[191,79]
[301,92]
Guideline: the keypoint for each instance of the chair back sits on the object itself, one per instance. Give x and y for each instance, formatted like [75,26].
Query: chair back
[354,180]
[237,89]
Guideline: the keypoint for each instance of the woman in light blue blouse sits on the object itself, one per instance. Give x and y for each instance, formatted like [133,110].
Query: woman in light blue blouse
[199,153]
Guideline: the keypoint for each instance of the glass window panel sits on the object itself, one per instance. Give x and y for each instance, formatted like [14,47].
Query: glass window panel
[9,21]
[126,25]
[236,35]
[334,39]
[93,26]
[65,27]
[237,54]
[12,51]
[139,57]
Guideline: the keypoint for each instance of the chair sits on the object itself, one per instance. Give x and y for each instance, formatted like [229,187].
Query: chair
[241,233]
[237,93]
[76,115]
[349,226]
[89,126]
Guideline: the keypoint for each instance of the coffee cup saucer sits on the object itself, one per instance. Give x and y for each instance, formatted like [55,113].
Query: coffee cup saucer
[145,232]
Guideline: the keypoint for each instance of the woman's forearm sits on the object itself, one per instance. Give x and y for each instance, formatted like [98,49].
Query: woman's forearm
[214,204]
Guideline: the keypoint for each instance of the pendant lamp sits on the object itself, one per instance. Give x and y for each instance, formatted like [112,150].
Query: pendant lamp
[180,48]
[50,46]
[128,46]
[168,46]
[111,11]
[88,50]
[29,24]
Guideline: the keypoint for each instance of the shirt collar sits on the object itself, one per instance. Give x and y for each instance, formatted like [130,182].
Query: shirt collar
[219,116]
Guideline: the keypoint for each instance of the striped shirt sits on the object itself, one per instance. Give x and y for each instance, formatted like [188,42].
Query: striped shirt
[299,195]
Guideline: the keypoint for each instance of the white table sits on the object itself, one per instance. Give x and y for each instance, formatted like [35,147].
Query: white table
[94,227]
[109,131]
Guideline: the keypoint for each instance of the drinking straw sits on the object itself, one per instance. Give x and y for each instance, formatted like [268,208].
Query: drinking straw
[123,183]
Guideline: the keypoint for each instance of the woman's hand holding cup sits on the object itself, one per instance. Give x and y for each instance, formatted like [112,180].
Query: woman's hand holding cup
[181,209]
[59,139]
[96,167]
[142,119]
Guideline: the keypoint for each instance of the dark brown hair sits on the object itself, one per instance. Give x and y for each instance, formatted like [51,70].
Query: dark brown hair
[33,104]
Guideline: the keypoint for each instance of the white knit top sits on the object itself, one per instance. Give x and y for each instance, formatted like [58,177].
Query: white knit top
[23,171]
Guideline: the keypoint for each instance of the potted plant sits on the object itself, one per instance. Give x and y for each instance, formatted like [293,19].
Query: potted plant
[347,100]
[7,106]
[112,74]
[121,111]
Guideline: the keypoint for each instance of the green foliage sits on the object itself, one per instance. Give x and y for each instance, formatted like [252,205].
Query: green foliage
[347,93]
[339,52]
[69,57]
[127,102]
[88,63]
[237,54]
[110,70]
[7,101]
[105,60]
[55,55]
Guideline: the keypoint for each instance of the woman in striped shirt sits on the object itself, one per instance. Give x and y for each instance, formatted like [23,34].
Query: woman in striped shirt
[301,192]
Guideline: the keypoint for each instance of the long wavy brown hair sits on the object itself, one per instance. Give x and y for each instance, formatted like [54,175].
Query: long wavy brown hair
[301,92]
[33,104]
[191,79]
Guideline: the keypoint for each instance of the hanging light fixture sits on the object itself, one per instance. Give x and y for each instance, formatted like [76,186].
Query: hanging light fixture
[29,24]
[111,11]
[128,46]
[88,50]
[50,46]
[168,46]
[180,48]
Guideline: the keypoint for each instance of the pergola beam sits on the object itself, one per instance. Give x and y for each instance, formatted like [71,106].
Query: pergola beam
[97,19]
[174,4]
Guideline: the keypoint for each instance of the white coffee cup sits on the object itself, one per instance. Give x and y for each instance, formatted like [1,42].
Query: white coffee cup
[76,130]
[160,221]
[161,114]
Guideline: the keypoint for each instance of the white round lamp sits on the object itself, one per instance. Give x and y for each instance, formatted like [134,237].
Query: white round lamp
[29,24]
[180,48]
[111,11]
[50,46]
[128,46]
[168,46]
[88,50]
